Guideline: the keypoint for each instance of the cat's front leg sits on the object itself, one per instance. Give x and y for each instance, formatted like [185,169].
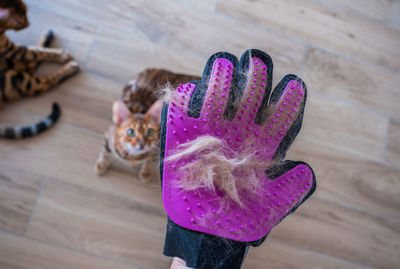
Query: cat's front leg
[103,161]
[38,85]
[47,54]
[147,171]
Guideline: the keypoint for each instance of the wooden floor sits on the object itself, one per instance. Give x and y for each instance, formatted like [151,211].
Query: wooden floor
[56,213]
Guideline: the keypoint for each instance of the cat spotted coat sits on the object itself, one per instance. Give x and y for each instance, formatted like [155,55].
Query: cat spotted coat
[133,138]
[17,66]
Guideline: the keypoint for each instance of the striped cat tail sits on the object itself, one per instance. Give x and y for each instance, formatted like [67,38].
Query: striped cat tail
[17,132]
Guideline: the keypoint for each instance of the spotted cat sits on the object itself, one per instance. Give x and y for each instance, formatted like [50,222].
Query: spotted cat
[133,138]
[18,63]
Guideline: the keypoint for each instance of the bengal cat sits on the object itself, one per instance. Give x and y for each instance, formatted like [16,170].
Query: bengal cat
[133,138]
[18,63]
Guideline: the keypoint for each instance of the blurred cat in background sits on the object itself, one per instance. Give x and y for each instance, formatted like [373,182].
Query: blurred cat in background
[133,138]
[18,63]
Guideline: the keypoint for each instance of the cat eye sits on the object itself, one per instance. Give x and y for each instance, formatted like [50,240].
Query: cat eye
[150,131]
[130,132]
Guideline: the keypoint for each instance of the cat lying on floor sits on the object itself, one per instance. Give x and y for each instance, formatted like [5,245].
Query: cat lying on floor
[133,138]
[18,63]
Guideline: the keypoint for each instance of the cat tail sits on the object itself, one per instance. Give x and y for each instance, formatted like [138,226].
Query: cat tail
[17,132]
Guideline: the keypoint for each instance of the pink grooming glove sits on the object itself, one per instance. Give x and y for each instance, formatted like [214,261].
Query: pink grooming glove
[252,126]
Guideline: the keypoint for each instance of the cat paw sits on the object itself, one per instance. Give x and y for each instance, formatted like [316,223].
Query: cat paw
[66,57]
[72,67]
[100,168]
[145,176]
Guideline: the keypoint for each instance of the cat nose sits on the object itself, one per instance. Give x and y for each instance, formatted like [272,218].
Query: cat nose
[141,144]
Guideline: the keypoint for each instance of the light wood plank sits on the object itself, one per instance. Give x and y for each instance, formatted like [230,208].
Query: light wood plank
[274,254]
[101,224]
[359,84]
[338,125]
[18,193]
[102,13]
[321,26]
[353,181]
[183,33]
[385,11]
[393,146]
[344,233]
[134,55]
[179,31]
[208,5]
[24,253]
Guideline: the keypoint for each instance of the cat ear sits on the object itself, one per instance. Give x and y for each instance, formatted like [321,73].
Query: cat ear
[11,19]
[120,112]
[4,13]
[154,112]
